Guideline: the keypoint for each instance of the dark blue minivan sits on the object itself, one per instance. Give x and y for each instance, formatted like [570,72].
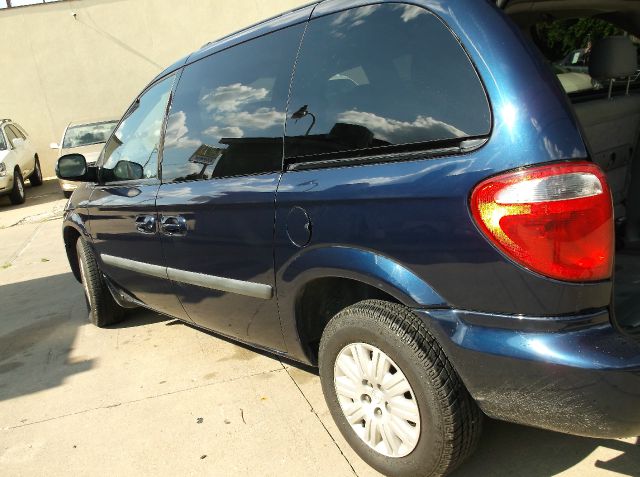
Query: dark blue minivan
[406,195]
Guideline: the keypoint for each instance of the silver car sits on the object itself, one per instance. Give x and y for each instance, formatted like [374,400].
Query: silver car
[86,138]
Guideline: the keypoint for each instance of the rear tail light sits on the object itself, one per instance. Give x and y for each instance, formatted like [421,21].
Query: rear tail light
[556,220]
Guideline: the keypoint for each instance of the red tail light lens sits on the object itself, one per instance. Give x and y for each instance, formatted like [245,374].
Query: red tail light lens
[556,220]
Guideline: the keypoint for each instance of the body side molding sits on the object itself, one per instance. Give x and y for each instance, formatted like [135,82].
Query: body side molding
[240,287]
[135,266]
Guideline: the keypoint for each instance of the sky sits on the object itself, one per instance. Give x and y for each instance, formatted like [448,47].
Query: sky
[19,3]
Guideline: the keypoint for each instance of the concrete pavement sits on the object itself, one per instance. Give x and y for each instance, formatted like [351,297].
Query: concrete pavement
[152,396]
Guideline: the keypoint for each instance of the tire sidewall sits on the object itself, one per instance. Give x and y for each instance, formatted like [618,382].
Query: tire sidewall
[83,261]
[18,194]
[103,309]
[83,267]
[36,175]
[349,328]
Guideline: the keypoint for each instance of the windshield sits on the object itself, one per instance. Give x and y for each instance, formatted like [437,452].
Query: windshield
[86,134]
[3,144]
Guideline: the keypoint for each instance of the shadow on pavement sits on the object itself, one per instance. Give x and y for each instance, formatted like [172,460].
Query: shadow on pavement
[40,320]
[510,449]
[140,317]
[49,191]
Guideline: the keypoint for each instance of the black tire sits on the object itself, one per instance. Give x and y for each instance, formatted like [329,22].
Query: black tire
[35,179]
[103,309]
[67,193]
[450,422]
[18,195]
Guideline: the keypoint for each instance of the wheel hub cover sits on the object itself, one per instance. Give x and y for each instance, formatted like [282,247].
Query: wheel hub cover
[377,400]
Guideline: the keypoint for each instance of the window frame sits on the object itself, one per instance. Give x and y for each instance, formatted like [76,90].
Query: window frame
[394,152]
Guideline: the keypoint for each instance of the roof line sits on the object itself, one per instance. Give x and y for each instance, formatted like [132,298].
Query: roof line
[266,20]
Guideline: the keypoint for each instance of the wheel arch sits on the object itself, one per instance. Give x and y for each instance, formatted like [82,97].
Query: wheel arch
[71,232]
[318,283]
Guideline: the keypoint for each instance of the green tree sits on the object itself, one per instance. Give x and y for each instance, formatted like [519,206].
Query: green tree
[559,38]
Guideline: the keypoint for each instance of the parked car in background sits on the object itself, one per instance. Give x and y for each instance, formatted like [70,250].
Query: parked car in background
[18,161]
[577,61]
[400,194]
[575,77]
[86,138]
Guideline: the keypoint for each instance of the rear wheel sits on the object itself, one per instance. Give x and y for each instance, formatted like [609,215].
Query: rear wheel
[17,194]
[35,179]
[393,393]
[103,309]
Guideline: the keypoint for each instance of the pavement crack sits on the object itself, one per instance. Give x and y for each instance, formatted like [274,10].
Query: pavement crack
[18,253]
[319,420]
[146,398]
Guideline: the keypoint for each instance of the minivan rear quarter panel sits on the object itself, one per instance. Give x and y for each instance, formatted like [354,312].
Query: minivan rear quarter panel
[416,211]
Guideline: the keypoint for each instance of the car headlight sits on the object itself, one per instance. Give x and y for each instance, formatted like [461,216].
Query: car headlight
[3,169]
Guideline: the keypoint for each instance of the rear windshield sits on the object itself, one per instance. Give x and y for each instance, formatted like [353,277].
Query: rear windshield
[567,45]
[87,134]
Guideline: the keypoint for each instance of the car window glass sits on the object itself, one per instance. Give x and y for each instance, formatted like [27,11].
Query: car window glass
[566,45]
[3,142]
[132,151]
[382,75]
[11,135]
[87,134]
[16,132]
[20,130]
[228,112]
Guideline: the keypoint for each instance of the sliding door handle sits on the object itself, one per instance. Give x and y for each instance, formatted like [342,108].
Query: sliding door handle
[146,224]
[173,225]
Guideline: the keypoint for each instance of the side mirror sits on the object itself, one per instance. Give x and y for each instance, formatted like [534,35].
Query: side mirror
[72,167]
[17,142]
[128,171]
[54,145]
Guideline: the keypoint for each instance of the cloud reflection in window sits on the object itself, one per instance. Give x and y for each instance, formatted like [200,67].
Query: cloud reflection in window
[423,128]
[177,132]
[232,97]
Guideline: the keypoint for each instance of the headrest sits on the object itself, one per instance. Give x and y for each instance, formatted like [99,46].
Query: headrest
[613,57]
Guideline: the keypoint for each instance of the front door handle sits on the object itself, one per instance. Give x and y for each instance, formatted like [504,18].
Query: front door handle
[146,224]
[173,225]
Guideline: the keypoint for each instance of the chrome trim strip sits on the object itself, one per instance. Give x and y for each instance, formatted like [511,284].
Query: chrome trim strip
[240,287]
[134,266]
[256,290]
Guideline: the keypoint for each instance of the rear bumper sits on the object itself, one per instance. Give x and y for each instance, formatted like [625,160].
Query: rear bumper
[575,375]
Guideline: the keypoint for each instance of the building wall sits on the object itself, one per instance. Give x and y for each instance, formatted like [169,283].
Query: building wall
[56,67]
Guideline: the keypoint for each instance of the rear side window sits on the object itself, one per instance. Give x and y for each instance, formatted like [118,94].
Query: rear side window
[228,113]
[379,76]
[16,132]
[20,130]
[10,134]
